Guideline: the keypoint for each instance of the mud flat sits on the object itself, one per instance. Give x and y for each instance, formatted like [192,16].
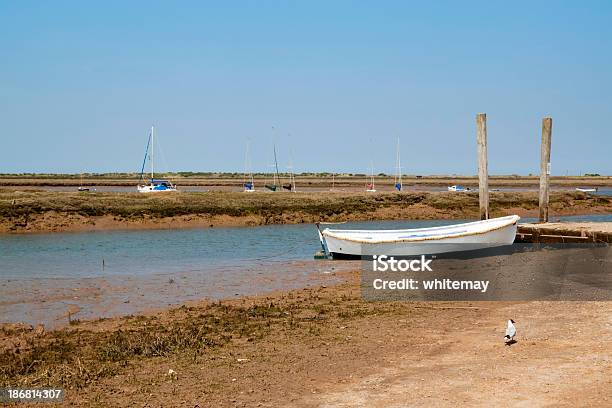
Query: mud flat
[38,211]
[323,346]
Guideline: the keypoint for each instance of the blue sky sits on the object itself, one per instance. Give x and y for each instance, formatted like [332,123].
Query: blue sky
[81,83]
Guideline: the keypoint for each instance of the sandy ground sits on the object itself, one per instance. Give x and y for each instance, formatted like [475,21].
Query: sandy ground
[462,361]
[329,348]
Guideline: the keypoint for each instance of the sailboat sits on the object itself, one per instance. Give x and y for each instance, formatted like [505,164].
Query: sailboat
[458,188]
[249,185]
[154,186]
[81,186]
[275,181]
[398,175]
[291,185]
[370,188]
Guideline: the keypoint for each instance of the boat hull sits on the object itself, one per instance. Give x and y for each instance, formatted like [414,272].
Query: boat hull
[458,189]
[344,247]
[155,189]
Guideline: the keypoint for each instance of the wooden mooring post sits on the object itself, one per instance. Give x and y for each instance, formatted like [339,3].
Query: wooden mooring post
[545,168]
[483,175]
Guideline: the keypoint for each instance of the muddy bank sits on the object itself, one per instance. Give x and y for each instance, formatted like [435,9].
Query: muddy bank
[323,346]
[28,211]
[56,302]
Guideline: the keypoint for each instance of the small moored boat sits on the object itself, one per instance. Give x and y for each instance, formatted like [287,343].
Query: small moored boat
[370,188]
[82,188]
[154,186]
[249,183]
[275,178]
[397,183]
[458,188]
[249,187]
[470,236]
[587,190]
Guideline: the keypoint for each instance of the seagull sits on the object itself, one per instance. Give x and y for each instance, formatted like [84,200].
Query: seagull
[510,333]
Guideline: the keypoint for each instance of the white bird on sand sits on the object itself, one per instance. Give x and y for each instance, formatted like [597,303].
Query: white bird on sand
[510,332]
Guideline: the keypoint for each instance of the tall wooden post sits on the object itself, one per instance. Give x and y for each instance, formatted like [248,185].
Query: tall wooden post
[545,168]
[483,175]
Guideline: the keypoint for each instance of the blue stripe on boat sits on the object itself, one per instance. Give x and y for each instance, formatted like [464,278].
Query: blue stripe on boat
[432,235]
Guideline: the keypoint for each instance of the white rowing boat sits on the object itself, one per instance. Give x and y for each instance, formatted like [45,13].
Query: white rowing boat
[470,236]
[586,190]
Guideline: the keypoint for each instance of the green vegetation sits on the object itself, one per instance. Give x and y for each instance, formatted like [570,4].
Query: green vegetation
[18,208]
[23,203]
[77,356]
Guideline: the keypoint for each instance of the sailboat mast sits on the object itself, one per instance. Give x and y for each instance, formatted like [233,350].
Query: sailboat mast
[290,169]
[246,155]
[293,179]
[152,147]
[372,169]
[276,177]
[248,173]
[399,164]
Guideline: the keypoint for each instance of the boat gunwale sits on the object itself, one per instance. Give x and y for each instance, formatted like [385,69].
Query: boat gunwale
[512,219]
